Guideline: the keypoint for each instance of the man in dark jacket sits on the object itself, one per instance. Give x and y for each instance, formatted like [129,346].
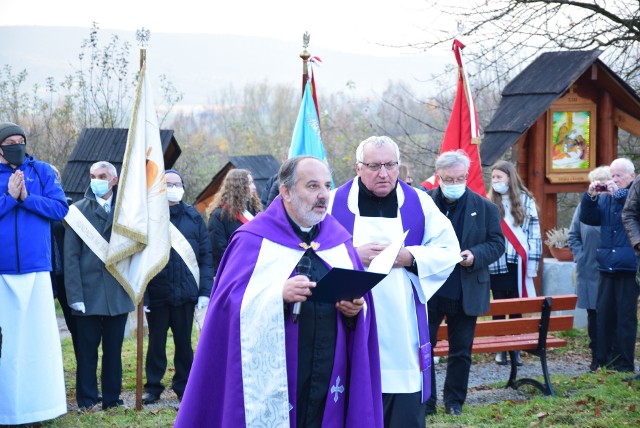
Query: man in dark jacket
[617,305]
[100,303]
[465,294]
[631,221]
[172,295]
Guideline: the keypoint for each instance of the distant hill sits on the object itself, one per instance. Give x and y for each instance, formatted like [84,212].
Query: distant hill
[200,64]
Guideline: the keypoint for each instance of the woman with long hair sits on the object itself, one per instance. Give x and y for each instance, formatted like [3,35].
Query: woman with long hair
[235,204]
[512,274]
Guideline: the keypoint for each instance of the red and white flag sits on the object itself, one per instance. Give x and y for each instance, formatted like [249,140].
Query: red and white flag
[462,131]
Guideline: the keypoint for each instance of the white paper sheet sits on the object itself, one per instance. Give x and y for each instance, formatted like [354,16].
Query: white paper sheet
[383,262]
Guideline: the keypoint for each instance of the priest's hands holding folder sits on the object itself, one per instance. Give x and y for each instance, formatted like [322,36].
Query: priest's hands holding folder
[298,288]
[350,308]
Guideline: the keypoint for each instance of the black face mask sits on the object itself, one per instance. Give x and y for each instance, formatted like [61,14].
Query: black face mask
[14,154]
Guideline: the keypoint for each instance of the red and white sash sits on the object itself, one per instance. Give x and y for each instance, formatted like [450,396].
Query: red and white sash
[244,217]
[519,242]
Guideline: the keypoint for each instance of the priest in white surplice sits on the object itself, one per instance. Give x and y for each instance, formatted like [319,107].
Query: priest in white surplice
[377,208]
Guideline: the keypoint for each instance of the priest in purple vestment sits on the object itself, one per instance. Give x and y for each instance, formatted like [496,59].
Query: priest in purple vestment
[257,363]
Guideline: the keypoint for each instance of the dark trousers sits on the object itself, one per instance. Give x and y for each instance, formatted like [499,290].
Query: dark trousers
[592,329]
[461,328]
[92,330]
[180,320]
[404,410]
[617,308]
[69,318]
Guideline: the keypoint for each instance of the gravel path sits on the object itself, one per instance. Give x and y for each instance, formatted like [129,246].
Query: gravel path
[482,375]
[488,373]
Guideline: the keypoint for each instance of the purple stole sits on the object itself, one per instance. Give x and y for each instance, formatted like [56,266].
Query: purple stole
[334,410]
[413,219]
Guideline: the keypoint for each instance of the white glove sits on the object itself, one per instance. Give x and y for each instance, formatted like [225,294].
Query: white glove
[146,309]
[203,302]
[78,306]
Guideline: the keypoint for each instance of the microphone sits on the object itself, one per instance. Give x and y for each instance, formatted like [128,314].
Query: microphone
[303,268]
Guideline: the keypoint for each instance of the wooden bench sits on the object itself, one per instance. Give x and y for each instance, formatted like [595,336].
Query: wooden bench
[530,333]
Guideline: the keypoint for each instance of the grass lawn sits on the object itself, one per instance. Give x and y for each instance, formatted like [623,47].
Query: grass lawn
[590,400]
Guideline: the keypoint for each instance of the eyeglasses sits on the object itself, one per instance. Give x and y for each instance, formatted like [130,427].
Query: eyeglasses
[389,166]
[176,185]
[450,181]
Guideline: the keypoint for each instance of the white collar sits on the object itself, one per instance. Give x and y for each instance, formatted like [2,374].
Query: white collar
[103,202]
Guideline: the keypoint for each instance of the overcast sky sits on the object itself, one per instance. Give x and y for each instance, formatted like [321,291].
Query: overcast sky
[346,25]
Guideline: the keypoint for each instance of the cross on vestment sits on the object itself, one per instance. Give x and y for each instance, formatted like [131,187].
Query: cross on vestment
[337,389]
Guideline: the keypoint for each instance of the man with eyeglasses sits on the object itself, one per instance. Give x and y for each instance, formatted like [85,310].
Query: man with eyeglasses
[377,209]
[172,295]
[31,372]
[465,294]
[258,364]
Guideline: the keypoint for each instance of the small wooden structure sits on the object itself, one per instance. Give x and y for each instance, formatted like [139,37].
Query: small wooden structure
[106,144]
[262,168]
[561,116]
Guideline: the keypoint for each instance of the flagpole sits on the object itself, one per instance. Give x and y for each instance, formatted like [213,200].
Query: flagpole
[305,55]
[142,36]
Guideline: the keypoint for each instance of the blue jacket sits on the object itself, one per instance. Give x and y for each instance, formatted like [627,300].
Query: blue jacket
[25,226]
[614,251]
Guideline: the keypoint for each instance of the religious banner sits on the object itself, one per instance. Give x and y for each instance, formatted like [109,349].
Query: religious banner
[140,240]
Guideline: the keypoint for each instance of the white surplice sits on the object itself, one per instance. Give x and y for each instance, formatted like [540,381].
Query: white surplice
[31,373]
[396,319]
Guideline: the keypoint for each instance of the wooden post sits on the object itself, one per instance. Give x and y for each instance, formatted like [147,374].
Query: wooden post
[546,203]
[142,36]
[607,133]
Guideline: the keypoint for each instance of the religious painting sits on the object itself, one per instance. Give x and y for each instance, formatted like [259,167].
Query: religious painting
[570,142]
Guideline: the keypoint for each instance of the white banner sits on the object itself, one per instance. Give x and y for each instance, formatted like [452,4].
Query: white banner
[140,244]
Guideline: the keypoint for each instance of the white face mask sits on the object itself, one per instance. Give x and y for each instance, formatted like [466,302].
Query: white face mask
[175,194]
[500,187]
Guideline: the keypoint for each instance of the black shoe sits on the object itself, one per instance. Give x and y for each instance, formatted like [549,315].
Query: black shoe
[454,410]
[89,409]
[501,358]
[430,410]
[148,398]
[117,403]
[594,366]
[99,398]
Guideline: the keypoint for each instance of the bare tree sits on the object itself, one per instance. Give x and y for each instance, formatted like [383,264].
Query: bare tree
[511,32]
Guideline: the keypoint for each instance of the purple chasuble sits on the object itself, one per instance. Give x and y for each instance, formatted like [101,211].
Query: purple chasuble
[214,395]
[413,219]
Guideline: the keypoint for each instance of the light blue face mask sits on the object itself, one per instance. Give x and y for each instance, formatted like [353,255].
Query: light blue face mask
[453,191]
[99,187]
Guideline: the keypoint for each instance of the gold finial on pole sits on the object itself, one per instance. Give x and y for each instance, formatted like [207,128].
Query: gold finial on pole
[305,55]
[142,37]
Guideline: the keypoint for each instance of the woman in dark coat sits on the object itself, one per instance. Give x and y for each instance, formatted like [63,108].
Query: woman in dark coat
[235,204]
